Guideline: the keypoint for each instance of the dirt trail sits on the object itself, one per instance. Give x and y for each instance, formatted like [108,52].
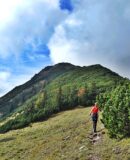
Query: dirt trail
[95,138]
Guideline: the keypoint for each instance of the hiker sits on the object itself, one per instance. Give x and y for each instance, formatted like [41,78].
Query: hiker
[94,115]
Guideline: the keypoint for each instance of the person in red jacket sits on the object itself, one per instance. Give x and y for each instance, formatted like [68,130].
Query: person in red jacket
[94,114]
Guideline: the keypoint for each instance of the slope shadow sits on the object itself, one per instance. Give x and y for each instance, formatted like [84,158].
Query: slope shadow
[7,139]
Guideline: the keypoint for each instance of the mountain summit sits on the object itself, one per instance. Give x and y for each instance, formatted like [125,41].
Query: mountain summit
[55,88]
[65,73]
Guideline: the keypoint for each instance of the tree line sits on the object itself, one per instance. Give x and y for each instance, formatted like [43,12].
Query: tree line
[114,102]
[48,102]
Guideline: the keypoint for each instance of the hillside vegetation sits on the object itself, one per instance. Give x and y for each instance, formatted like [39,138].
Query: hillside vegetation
[54,89]
[64,136]
[115,105]
[63,75]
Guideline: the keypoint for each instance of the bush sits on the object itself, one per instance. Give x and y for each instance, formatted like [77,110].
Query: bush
[116,111]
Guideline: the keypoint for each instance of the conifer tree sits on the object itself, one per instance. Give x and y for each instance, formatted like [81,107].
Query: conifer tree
[116,111]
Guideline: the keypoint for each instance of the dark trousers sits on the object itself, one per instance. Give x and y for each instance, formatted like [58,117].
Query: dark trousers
[94,126]
[94,119]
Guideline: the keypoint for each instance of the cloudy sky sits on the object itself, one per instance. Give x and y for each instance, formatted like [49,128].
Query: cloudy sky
[37,33]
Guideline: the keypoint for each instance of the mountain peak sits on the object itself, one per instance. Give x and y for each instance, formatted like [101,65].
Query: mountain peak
[64,64]
[65,73]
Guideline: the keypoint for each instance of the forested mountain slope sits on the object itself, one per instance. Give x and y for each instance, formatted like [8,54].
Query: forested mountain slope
[54,89]
[52,77]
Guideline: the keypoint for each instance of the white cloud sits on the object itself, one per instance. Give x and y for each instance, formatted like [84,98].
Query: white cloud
[96,32]
[70,50]
[4,75]
[9,80]
[72,22]
[7,85]
[9,9]
[24,21]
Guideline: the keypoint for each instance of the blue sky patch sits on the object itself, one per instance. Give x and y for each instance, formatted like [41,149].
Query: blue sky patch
[66,5]
[42,49]
[34,55]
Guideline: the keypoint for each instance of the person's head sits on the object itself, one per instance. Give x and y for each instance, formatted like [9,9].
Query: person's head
[95,103]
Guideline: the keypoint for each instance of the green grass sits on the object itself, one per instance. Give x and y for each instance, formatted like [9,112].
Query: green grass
[62,137]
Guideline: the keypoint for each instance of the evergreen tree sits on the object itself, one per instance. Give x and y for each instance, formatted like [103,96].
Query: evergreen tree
[116,111]
[59,98]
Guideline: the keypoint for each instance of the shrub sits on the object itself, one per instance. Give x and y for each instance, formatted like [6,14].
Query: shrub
[116,111]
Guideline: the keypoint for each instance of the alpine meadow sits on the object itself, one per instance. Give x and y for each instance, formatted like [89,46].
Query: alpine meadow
[64,87]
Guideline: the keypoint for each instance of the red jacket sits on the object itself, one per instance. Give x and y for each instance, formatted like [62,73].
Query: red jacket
[94,109]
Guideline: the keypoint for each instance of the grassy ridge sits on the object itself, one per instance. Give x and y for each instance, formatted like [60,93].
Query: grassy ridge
[62,137]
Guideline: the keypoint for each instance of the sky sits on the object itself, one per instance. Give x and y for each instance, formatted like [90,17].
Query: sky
[37,33]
